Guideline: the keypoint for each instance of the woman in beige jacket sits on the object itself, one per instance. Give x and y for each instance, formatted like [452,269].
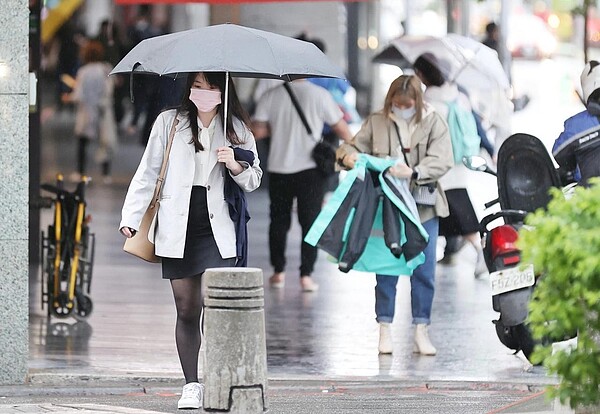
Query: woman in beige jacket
[408,129]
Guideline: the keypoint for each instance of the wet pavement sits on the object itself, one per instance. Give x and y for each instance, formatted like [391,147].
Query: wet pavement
[314,340]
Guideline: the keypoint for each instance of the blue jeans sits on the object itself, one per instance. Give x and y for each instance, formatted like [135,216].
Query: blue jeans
[422,283]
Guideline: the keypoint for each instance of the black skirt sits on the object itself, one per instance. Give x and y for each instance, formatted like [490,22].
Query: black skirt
[462,219]
[201,251]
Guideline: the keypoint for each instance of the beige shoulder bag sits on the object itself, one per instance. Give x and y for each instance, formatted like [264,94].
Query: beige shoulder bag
[139,245]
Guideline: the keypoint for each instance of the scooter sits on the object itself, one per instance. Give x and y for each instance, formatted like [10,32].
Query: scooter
[525,173]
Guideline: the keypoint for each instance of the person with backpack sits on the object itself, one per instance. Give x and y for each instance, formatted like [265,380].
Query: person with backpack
[455,108]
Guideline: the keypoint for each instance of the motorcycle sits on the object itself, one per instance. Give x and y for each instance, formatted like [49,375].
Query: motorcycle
[525,173]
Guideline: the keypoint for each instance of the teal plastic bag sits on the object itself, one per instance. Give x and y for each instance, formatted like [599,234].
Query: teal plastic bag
[463,132]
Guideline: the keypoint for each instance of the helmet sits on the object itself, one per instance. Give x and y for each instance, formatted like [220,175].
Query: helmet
[590,79]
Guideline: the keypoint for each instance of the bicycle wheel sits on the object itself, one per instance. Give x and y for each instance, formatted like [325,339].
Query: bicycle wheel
[83,306]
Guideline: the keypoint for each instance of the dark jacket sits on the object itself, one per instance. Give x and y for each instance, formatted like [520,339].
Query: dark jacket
[577,149]
[366,225]
[238,208]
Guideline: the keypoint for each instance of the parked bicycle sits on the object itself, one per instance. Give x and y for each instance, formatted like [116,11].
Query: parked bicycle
[67,253]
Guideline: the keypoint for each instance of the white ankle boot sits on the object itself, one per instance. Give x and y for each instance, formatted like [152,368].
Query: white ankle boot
[385,338]
[423,345]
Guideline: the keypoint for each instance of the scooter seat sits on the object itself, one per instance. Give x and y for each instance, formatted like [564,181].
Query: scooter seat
[525,173]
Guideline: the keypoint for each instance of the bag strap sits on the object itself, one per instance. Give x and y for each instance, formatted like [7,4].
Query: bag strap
[290,92]
[163,167]
[400,141]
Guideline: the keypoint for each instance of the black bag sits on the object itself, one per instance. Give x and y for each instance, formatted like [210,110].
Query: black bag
[324,152]
[324,155]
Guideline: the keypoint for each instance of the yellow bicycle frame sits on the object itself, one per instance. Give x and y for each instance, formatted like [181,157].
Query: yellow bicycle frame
[76,253]
[77,248]
[58,239]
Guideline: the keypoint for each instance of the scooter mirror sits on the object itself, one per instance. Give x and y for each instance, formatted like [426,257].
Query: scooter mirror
[475,163]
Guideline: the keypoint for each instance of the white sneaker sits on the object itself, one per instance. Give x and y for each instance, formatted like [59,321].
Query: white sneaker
[385,338]
[423,345]
[191,396]
[307,284]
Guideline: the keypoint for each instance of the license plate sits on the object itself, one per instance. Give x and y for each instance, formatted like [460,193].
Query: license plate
[511,279]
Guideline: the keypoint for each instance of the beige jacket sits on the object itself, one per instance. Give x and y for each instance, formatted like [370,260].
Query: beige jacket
[430,151]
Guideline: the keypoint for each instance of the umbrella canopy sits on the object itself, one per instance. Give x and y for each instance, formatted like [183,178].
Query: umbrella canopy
[239,50]
[470,63]
[467,62]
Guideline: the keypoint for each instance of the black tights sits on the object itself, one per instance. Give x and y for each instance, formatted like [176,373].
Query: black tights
[84,143]
[188,301]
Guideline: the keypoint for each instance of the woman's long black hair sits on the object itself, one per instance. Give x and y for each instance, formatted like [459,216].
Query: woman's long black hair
[215,79]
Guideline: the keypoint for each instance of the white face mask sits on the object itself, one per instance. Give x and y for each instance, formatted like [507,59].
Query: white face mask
[404,113]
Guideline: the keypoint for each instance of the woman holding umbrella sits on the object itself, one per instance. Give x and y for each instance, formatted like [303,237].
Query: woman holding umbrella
[194,229]
[409,129]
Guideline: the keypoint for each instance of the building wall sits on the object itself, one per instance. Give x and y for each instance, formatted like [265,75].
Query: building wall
[325,20]
[93,13]
[14,193]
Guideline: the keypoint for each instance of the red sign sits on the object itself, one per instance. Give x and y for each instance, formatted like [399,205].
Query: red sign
[214,1]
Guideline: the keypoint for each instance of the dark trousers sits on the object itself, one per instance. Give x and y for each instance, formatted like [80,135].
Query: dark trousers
[308,188]
[82,149]
[83,144]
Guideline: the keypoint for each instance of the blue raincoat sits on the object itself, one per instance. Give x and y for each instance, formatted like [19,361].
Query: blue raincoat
[367,224]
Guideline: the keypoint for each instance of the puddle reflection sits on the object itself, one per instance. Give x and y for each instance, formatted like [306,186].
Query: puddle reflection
[68,338]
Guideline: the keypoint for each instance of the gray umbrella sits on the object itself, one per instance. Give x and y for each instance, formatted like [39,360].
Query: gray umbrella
[239,50]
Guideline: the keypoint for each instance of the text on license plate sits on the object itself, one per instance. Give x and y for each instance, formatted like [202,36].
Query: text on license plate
[511,279]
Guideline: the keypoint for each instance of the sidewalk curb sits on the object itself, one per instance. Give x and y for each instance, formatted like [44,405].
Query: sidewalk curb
[82,385]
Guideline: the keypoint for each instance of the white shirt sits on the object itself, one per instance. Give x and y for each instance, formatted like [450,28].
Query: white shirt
[201,157]
[291,145]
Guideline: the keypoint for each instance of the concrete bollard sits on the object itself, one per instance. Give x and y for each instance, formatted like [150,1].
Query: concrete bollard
[235,358]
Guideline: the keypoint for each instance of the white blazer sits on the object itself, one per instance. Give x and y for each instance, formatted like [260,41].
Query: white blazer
[171,225]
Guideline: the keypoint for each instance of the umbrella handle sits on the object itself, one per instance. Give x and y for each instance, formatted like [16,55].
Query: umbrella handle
[136,64]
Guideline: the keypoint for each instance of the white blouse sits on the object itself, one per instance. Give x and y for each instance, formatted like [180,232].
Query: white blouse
[201,171]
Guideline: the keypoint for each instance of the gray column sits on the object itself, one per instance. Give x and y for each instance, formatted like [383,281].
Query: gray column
[14,193]
[235,364]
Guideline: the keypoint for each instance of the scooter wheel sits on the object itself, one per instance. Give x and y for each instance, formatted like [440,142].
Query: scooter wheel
[506,335]
[526,341]
[516,337]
